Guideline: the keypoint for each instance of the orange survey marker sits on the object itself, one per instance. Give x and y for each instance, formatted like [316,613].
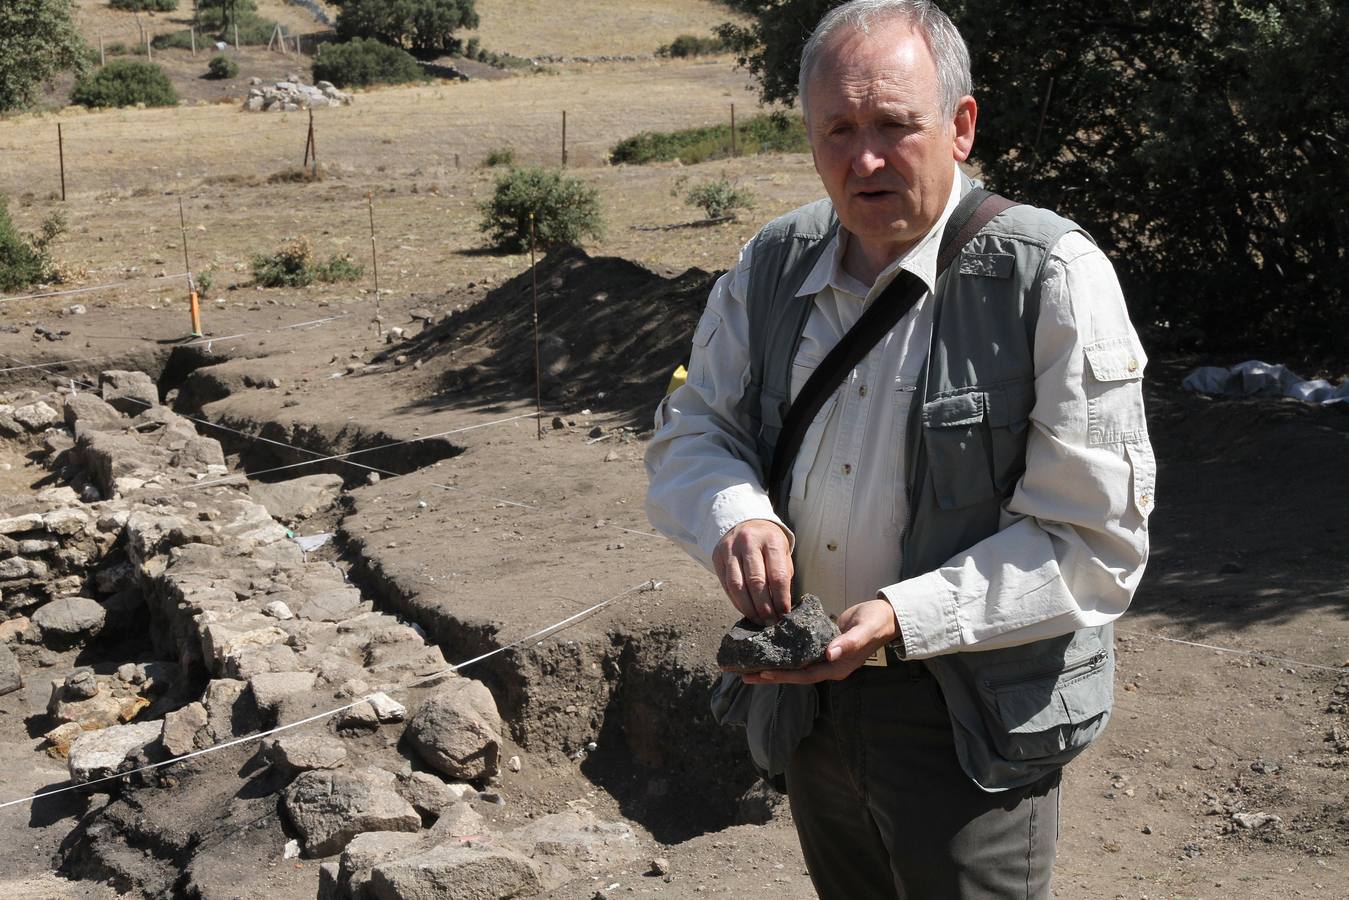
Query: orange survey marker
[196,307]
[191,283]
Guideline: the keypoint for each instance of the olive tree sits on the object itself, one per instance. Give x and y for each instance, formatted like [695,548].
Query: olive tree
[37,40]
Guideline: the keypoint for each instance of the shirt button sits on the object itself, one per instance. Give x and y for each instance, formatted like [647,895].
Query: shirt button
[1145,499]
[862,391]
[832,546]
[847,468]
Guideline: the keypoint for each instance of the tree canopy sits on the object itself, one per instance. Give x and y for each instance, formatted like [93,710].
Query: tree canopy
[418,25]
[1200,143]
[37,40]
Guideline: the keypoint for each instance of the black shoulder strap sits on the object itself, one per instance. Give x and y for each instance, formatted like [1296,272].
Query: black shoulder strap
[974,212]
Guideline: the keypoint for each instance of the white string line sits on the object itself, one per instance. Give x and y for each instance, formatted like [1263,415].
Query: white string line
[541,634]
[96,287]
[244,334]
[350,462]
[1256,653]
[207,341]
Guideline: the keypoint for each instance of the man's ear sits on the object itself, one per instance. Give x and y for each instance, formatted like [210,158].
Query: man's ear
[967,111]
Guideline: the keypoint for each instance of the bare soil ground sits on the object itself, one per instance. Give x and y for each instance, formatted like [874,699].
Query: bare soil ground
[518,532]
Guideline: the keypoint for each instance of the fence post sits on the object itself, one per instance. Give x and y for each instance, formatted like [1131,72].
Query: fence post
[194,40]
[564,138]
[733,150]
[61,151]
[102,55]
[538,371]
[236,36]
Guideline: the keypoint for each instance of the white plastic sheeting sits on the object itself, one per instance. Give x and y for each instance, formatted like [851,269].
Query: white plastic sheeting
[1261,379]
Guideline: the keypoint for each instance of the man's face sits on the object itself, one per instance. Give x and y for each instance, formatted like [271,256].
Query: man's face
[882,145]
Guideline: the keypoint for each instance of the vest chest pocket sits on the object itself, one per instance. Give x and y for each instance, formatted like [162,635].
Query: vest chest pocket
[976,442]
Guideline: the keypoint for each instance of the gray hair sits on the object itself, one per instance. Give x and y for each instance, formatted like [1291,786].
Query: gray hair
[944,42]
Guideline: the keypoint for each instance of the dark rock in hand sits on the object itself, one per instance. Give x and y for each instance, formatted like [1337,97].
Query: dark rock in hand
[797,640]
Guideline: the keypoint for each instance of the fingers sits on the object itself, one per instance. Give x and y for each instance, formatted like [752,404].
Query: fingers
[754,564]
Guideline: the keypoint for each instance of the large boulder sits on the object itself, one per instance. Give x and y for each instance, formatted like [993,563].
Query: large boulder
[564,845]
[365,852]
[185,730]
[68,621]
[457,730]
[128,392]
[298,498]
[96,754]
[11,679]
[36,416]
[456,873]
[86,412]
[303,752]
[328,809]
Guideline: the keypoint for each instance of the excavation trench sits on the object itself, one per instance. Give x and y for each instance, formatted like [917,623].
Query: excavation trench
[625,706]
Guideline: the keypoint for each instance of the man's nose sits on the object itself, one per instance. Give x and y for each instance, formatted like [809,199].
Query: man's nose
[867,160]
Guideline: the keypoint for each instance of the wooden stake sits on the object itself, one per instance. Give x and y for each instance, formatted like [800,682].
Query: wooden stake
[149,51]
[271,38]
[311,148]
[374,262]
[564,138]
[538,369]
[61,151]
[191,285]
[236,35]
[733,150]
[102,55]
[194,40]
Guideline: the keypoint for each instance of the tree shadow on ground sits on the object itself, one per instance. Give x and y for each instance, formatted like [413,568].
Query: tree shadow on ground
[1249,527]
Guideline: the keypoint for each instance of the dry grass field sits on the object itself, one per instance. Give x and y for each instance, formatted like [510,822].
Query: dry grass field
[551,28]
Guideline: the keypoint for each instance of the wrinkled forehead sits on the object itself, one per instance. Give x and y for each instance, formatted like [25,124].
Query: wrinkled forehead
[890,61]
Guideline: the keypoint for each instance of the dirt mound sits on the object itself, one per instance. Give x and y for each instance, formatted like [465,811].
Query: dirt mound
[610,334]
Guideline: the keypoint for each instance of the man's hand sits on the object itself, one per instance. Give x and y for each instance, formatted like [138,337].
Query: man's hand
[865,626]
[754,564]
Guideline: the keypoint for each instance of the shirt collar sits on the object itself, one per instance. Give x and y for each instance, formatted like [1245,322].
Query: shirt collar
[920,260]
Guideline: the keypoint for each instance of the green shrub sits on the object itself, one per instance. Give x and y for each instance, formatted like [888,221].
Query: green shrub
[564,208]
[125,82]
[691,45]
[25,259]
[221,67]
[472,48]
[144,5]
[773,133]
[116,48]
[38,39]
[502,156]
[253,29]
[365,61]
[294,266]
[291,266]
[176,40]
[338,268]
[719,198]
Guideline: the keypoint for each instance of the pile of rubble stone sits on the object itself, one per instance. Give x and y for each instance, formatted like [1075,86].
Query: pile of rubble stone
[294,95]
[250,634]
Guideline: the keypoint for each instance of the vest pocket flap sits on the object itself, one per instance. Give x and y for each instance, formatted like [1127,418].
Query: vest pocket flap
[1048,700]
[1116,359]
[949,412]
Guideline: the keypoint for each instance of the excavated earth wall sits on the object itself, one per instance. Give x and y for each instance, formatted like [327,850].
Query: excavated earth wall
[398,794]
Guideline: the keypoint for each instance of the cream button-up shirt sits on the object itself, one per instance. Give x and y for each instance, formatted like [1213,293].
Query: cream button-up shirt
[1074,538]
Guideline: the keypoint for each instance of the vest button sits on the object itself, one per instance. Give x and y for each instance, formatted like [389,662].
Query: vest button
[831,545]
[847,468]
[1133,365]
[862,391]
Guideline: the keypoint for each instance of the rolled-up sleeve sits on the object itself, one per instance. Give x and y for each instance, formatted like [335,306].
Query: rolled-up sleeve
[702,466]
[1073,541]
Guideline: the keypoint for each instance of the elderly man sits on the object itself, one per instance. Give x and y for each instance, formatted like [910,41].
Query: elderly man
[970,501]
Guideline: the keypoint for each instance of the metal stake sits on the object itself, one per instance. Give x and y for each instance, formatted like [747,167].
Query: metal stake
[538,370]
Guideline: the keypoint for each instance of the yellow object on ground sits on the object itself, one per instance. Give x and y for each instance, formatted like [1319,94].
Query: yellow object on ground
[677,380]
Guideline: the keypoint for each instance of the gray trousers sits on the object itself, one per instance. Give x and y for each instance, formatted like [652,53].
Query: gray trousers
[884,811]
